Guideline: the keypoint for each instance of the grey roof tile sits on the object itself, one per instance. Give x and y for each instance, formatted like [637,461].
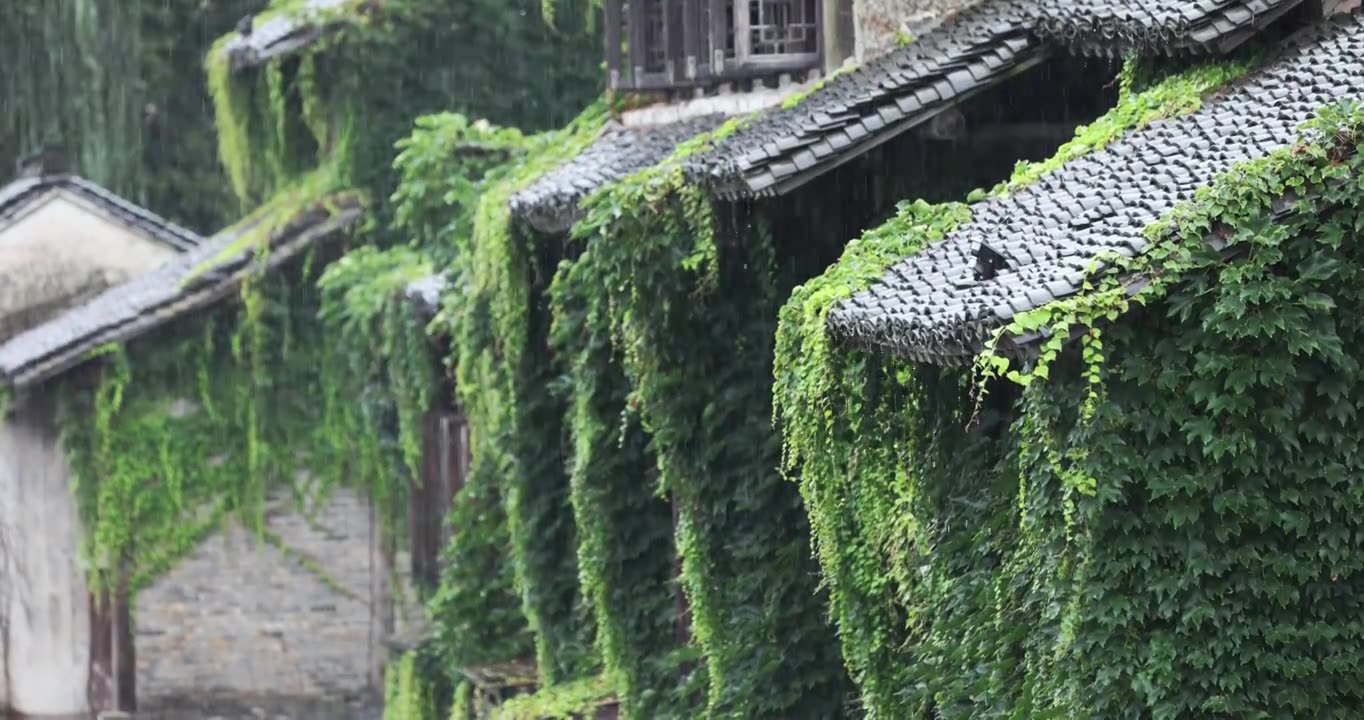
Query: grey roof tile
[974,49]
[1049,235]
[550,204]
[970,51]
[425,294]
[205,275]
[1117,27]
[283,32]
[888,95]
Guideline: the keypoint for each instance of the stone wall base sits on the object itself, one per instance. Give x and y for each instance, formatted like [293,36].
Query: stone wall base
[260,707]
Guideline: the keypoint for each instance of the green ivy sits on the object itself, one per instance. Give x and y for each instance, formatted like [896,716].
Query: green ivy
[382,343]
[407,694]
[625,535]
[851,458]
[355,93]
[577,699]
[691,303]
[498,322]
[174,432]
[445,165]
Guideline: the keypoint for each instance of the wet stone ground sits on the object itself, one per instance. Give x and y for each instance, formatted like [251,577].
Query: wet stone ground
[261,709]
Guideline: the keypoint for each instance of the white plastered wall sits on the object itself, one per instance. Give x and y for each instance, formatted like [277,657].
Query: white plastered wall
[44,604]
[59,251]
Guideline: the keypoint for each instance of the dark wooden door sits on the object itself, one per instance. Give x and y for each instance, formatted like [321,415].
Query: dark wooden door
[445,463]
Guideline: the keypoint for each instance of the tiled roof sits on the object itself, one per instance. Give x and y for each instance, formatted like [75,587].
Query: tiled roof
[858,110]
[281,33]
[21,193]
[977,48]
[193,280]
[550,204]
[974,50]
[934,306]
[1116,27]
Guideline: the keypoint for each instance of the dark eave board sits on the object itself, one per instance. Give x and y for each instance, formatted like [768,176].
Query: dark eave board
[550,204]
[210,273]
[24,191]
[933,307]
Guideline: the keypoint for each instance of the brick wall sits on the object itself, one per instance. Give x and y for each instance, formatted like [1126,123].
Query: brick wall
[241,621]
[880,22]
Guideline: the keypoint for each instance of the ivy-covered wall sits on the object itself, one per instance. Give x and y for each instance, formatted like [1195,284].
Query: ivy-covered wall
[668,315]
[627,560]
[691,297]
[1161,524]
[491,584]
[176,430]
[507,379]
[344,101]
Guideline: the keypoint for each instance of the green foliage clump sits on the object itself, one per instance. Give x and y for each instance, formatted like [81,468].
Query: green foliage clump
[354,93]
[1223,436]
[446,164]
[626,555]
[691,302]
[861,495]
[407,694]
[838,410]
[1176,540]
[498,322]
[380,351]
[568,701]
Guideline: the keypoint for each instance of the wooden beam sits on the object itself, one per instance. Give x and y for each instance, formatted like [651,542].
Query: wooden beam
[691,38]
[717,37]
[125,652]
[101,685]
[636,30]
[743,40]
[674,32]
[613,40]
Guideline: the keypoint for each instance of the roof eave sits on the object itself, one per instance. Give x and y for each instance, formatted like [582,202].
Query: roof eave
[77,353]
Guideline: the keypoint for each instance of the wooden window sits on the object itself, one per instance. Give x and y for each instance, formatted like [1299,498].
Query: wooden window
[656,44]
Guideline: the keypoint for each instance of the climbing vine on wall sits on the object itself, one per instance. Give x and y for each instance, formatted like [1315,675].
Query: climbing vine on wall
[354,93]
[691,297]
[445,165]
[499,327]
[972,576]
[626,555]
[380,356]
[170,434]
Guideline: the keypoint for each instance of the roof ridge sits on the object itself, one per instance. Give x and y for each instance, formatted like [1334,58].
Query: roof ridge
[129,309]
[21,192]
